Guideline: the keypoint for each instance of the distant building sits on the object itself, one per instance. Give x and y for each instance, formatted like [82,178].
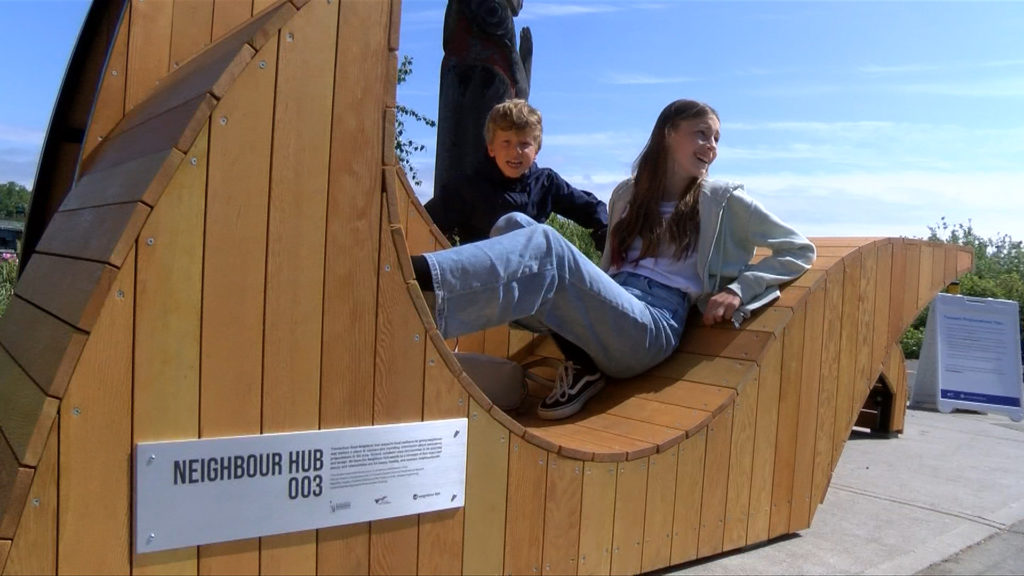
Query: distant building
[10,235]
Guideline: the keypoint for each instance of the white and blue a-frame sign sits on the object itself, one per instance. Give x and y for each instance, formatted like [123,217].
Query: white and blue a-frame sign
[971,357]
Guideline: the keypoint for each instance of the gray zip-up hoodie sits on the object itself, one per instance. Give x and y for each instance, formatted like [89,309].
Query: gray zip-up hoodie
[732,225]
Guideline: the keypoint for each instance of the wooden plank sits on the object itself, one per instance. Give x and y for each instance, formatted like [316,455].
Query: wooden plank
[26,413]
[353,218]
[496,341]
[103,234]
[924,279]
[695,395]
[177,128]
[597,517]
[828,384]
[897,290]
[15,484]
[441,533]
[524,518]
[628,529]
[689,488]
[606,445]
[562,513]
[486,488]
[188,40]
[73,290]
[741,456]
[807,414]
[865,372]
[5,549]
[789,406]
[45,347]
[716,482]
[938,282]
[108,107]
[96,443]
[847,356]
[148,49]
[234,272]
[295,249]
[705,369]
[345,546]
[418,232]
[912,277]
[880,324]
[168,326]
[771,319]
[744,344]
[762,469]
[228,14]
[964,261]
[141,179]
[35,549]
[680,418]
[661,436]
[661,493]
[949,270]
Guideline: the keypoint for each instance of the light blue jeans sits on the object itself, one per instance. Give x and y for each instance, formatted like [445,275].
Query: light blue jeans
[528,271]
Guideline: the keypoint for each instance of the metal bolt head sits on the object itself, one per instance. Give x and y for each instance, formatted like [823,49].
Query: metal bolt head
[150,241]
[120,294]
[223,120]
[76,411]
[35,502]
[194,161]
[262,64]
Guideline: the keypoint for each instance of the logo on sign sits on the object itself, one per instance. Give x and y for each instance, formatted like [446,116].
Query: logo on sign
[382,500]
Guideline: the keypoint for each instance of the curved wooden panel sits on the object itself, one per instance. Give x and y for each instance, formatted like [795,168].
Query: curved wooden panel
[234,258]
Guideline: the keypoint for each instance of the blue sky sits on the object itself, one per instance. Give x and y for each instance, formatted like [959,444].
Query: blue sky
[844,118]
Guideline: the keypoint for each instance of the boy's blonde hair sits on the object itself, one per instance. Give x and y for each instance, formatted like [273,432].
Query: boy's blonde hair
[516,115]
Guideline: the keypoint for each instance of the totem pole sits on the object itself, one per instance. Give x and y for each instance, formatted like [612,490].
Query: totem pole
[481,67]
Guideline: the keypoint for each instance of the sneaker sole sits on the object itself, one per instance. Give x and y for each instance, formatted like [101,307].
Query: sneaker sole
[574,407]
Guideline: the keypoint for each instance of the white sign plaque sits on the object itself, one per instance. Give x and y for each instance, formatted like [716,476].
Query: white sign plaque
[970,356]
[193,492]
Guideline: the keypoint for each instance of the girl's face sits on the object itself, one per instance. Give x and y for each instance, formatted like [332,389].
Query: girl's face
[513,151]
[693,146]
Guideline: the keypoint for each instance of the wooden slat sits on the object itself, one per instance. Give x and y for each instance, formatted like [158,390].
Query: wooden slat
[108,107]
[924,279]
[441,532]
[353,219]
[628,530]
[683,419]
[496,341]
[847,355]
[177,128]
[148,49]
[789,406]
[661,436]
[716,482]
[610,445]
[486,489]
[964,261]
[762,468]
[186,41]
[45,347]
[686,393]
[227,14]
[35,549]
[744,344]
[865,372]
[141,179]
[15,483]
[73,290]
[897,290]
[5,549]
[741,456]
[689,488]
[880,323]
[807,415]
[938,282]
[705,369]
[26,413]
[295,248]
[661,493]
[771,319]
[102,234]
[168,305]
[912,279]
[96,443]
[418,232]
[563,498]
[828,384]
[234,272]
[524,519]
[597,517]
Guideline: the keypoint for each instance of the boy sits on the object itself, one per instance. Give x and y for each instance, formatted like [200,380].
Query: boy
[514,183]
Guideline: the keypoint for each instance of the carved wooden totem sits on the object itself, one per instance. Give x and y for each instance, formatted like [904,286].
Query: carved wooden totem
[481,67]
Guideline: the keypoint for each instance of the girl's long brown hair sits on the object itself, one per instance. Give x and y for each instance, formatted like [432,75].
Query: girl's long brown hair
[643,218]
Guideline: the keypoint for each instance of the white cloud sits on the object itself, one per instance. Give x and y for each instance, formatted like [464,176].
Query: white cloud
[988,88]
[21,136]
[542,9]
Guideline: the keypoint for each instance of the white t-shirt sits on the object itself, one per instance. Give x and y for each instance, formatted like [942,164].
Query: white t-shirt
[664,267]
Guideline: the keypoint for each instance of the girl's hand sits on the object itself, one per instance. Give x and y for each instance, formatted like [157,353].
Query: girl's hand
[721,307]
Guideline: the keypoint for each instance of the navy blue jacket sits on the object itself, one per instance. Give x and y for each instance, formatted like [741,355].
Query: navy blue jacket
[471,209]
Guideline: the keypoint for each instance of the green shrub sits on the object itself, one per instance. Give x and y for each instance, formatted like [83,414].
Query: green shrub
[8,276]
[577,235]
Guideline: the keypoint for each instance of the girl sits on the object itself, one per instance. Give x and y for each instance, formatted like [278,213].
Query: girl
[675,239]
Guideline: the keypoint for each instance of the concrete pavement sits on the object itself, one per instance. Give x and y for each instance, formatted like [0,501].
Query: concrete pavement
[945,497]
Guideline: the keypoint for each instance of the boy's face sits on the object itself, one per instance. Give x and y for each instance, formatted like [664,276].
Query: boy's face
[513,151]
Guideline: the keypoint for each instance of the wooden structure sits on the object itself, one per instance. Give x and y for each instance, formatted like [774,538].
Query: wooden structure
[230,256]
